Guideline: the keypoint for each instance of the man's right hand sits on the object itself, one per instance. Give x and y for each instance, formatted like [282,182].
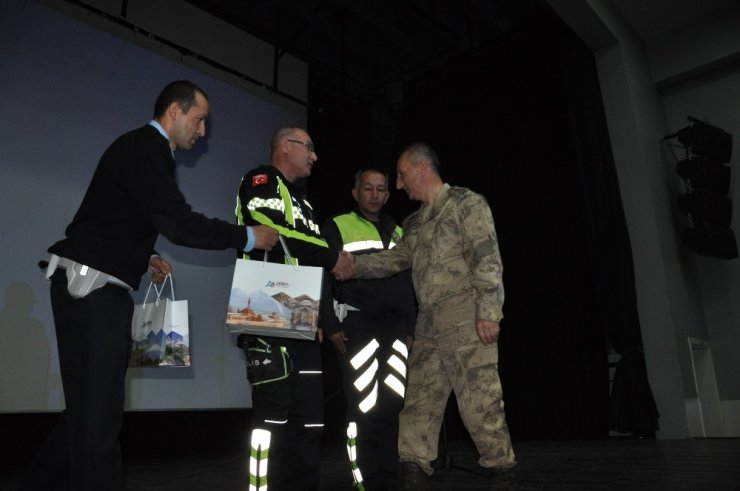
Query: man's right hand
[264,237]
[338,339]
[345,267]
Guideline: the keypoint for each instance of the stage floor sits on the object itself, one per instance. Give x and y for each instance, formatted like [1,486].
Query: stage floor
[613,464]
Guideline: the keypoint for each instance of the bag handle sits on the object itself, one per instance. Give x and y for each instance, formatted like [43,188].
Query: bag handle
[146,297]
[286,251]
[161,289]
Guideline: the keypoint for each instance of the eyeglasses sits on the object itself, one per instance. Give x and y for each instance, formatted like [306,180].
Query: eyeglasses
[309,145]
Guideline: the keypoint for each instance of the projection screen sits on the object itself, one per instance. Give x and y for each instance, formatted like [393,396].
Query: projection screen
[68,89]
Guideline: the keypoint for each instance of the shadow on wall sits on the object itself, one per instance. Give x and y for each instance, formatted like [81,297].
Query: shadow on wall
[25,381]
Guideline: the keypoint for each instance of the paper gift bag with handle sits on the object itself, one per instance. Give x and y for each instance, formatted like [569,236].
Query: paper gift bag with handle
[271,299]
[160,330]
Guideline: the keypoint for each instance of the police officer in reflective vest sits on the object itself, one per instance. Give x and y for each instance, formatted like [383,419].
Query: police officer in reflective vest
[287,391]
[372,330]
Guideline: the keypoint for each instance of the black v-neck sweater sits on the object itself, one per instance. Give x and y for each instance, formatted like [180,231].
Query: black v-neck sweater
[132,198]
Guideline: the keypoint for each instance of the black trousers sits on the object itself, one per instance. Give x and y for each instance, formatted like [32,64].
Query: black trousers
[377,428]
[292,411]
[93,334]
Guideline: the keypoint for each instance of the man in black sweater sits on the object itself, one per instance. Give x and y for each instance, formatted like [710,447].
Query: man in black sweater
[132,198]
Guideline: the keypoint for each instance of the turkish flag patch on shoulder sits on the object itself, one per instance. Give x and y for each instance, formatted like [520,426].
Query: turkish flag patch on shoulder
[259,179]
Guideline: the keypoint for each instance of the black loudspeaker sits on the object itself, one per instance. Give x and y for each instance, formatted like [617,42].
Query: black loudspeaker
[706,204]
[710,240]
[704,173]
[704,139]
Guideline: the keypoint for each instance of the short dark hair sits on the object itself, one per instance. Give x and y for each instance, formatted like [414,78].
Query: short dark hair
[359,173]
[180,91]
[421,150]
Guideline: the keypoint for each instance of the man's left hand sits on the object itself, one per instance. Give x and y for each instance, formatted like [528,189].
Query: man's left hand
[159,269]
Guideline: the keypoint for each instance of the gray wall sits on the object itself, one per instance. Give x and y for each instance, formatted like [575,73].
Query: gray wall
[649,87]
[67,89]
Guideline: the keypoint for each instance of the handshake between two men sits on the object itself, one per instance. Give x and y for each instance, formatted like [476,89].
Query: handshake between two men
[345,267]
[266,238]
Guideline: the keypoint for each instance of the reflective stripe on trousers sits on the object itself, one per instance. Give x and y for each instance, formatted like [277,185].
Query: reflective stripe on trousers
[395,380]
[352,454]
[366,366]
[259,452]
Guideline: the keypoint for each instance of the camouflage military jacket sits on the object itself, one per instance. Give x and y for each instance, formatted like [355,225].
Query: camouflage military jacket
[452,249]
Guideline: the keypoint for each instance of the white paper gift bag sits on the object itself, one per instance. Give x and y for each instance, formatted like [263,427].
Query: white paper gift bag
[160,330]
[271,299]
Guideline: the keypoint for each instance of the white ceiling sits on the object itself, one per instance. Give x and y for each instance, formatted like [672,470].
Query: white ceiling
[655,18]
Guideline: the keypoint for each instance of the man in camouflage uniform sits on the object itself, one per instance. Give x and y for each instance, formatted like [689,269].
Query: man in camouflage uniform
[451,246]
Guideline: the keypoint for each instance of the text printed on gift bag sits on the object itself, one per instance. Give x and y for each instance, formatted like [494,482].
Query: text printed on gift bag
[271,299]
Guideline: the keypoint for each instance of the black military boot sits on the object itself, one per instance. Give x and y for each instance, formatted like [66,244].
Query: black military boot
[413,477]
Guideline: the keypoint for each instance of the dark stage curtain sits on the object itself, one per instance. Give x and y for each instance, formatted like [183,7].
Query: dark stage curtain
[632,406]
[522,123]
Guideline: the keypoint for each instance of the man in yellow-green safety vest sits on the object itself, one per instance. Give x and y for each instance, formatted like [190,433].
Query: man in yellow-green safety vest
[372,331]
[287,408]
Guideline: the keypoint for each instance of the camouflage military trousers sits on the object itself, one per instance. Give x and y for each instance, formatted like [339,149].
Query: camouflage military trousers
[452,357]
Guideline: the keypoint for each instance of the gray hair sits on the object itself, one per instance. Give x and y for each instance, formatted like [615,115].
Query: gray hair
[422,151]
[279,135]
